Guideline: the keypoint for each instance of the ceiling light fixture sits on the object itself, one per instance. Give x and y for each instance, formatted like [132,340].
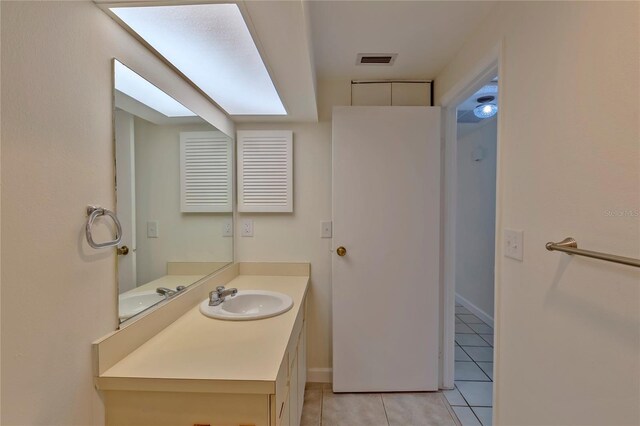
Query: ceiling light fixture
[131,84]
[212,46]
[486,109]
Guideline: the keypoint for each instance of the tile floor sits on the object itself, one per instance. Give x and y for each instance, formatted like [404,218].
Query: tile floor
[472,398]
[322,407]
[469,404]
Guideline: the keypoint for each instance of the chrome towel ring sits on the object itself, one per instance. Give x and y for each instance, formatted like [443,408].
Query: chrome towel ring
[94,212]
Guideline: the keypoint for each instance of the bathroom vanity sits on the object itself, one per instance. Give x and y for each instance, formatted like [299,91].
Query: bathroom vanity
[202,371]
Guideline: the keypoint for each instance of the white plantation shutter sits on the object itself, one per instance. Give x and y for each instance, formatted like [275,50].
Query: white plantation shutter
[265,171]
[205,172]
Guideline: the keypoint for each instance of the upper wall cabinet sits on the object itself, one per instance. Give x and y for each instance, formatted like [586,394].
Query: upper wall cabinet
[265,171]
[391,93]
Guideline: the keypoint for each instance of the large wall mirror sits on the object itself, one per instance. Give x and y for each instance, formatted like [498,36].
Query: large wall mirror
[173,191]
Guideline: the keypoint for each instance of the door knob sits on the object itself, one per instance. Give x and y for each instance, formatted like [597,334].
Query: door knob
[123,251]
[341,251]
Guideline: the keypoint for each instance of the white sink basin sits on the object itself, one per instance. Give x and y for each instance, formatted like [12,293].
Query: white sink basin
[134,303]
[249,305]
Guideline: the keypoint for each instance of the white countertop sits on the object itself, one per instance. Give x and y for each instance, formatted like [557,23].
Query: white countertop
[197,353]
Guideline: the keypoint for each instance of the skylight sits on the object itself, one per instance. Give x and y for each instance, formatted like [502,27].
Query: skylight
[131,84]
[212,46]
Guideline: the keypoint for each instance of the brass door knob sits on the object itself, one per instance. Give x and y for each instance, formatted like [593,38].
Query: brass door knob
[123,251]
[341,251]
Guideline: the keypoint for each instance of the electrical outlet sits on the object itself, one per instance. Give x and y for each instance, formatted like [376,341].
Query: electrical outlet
[227,229]
[247,228]
[327,229]
[513,244]
[152,229]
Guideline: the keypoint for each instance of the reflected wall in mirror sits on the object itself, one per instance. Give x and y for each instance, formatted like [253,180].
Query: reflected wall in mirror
[173,193]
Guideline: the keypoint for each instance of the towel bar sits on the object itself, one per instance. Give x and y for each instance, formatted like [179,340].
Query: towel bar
[570,245]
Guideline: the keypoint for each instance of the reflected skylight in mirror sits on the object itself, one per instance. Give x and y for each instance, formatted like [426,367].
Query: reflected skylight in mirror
[212,46]
[131,84]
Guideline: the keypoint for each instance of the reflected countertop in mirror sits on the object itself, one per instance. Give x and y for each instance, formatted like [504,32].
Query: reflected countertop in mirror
[174,194]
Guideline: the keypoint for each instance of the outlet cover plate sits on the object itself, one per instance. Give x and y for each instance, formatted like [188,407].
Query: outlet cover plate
[227,229]
[247,227]
[514,244]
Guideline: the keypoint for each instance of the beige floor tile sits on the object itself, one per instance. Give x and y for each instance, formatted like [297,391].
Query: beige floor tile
[312,408]
[352,409]
[314,386]
[419,409]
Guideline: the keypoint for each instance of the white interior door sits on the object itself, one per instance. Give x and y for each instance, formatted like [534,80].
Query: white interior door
[126,198]
[386,214]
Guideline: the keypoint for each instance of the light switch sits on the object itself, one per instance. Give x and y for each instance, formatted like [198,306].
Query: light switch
[152,229]
[513,244]
[247,228]
[327,229]
[227,228]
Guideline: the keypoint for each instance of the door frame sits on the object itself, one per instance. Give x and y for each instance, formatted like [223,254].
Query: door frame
[486,68]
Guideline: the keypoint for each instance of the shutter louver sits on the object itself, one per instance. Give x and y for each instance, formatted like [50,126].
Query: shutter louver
[265,171]
[205,172]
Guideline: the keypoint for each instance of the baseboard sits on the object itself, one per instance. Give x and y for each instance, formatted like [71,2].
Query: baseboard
[320,375]
[475,310]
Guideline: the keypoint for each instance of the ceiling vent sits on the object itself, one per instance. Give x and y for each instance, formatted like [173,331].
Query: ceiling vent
[376,58]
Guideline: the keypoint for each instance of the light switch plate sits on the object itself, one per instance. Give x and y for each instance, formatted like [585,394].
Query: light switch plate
[227,229]
[247,227]
[513,244]
[152,229]
[327,229]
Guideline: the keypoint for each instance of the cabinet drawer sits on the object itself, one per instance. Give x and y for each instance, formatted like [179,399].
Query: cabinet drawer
[135,408]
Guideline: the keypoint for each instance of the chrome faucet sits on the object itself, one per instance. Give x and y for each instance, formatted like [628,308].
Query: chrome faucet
[218,295]
[166,292]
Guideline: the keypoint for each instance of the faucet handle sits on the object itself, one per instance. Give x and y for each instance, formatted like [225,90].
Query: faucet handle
[220,288]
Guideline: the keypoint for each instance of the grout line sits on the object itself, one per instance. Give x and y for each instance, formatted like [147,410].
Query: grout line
[481,369]
[384,407]
[468,406]
[465,399]
[321,404]
[450,409]
[476,363]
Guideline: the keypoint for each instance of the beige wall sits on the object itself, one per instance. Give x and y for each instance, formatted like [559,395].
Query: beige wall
[58,295]
[569,150]
[296,237]
[476,216]
[183,237]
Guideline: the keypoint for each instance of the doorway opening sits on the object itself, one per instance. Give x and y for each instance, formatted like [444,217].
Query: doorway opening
[473,274]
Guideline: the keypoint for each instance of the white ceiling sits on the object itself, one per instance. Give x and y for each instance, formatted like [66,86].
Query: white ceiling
[301,41]
[425,34]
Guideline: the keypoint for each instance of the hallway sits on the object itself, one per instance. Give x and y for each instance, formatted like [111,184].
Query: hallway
[472,398]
